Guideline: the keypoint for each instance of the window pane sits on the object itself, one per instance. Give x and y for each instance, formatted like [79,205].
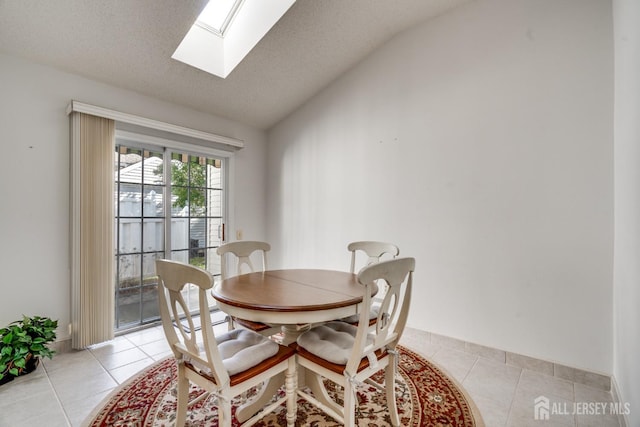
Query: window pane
[129,271]
[197,172]
[214,203]
[128,307]
[196,231]
[150,287]
[153,165]
[153,235]
[181,256]
[149,276]
[129,165]
[214,174]
[129,200]
[179,201]
[129,235]
[128,290]
[153,202]
[197,202]
[179,233]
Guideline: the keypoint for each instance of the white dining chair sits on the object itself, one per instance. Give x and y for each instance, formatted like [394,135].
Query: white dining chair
[225,366]
[349,355]
[373,252]
[241,252]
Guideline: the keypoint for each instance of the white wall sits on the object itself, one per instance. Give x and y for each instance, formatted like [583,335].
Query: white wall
[34,179]
[626,14]
[480,143]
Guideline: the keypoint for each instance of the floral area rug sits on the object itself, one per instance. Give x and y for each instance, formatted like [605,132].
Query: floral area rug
[426,396]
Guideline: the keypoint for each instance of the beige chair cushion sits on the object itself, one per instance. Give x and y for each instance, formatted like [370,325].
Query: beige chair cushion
[332,341]
[355,318]
[241,349]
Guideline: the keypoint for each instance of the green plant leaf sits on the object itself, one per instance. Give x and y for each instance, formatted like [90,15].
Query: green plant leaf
[6,339]
[37,348]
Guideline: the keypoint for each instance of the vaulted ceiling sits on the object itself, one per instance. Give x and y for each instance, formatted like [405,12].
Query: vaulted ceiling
[129,43]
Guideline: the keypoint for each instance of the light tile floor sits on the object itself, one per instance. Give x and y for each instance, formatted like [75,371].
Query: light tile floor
[65,390]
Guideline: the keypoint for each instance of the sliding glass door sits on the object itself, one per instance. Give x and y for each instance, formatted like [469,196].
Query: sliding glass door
[168,204]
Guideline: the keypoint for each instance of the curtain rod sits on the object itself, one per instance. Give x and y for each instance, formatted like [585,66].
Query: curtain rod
[118,116]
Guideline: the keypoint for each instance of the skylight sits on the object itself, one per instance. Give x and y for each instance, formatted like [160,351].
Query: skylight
[226,31]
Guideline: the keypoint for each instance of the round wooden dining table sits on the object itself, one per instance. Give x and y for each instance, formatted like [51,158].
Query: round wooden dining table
[296,300]
[291,298]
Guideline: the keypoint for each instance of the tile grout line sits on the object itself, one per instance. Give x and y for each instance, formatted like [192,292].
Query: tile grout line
[513,397]
[126,364]
[105,369]
[475,362]
[55,393]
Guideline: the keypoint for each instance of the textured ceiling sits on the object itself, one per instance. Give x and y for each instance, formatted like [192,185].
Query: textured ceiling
[129,43]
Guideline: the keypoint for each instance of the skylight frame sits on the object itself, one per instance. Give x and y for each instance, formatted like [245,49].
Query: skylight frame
[231,14]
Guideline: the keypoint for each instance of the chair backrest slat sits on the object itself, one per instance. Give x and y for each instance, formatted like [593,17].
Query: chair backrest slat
[374,251]
[242,250]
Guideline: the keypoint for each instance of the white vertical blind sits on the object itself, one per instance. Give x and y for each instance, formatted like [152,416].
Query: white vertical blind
[92,270]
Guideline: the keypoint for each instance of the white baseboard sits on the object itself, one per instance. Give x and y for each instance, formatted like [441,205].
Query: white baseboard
[615,391]
[581,376]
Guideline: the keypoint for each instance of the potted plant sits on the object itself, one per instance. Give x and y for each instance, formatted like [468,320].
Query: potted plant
[22,343]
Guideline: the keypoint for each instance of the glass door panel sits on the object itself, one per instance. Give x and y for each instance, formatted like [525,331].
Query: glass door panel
[194,211]
[196,214]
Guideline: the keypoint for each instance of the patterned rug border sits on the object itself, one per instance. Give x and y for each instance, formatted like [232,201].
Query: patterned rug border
[475,412]
[120,387]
